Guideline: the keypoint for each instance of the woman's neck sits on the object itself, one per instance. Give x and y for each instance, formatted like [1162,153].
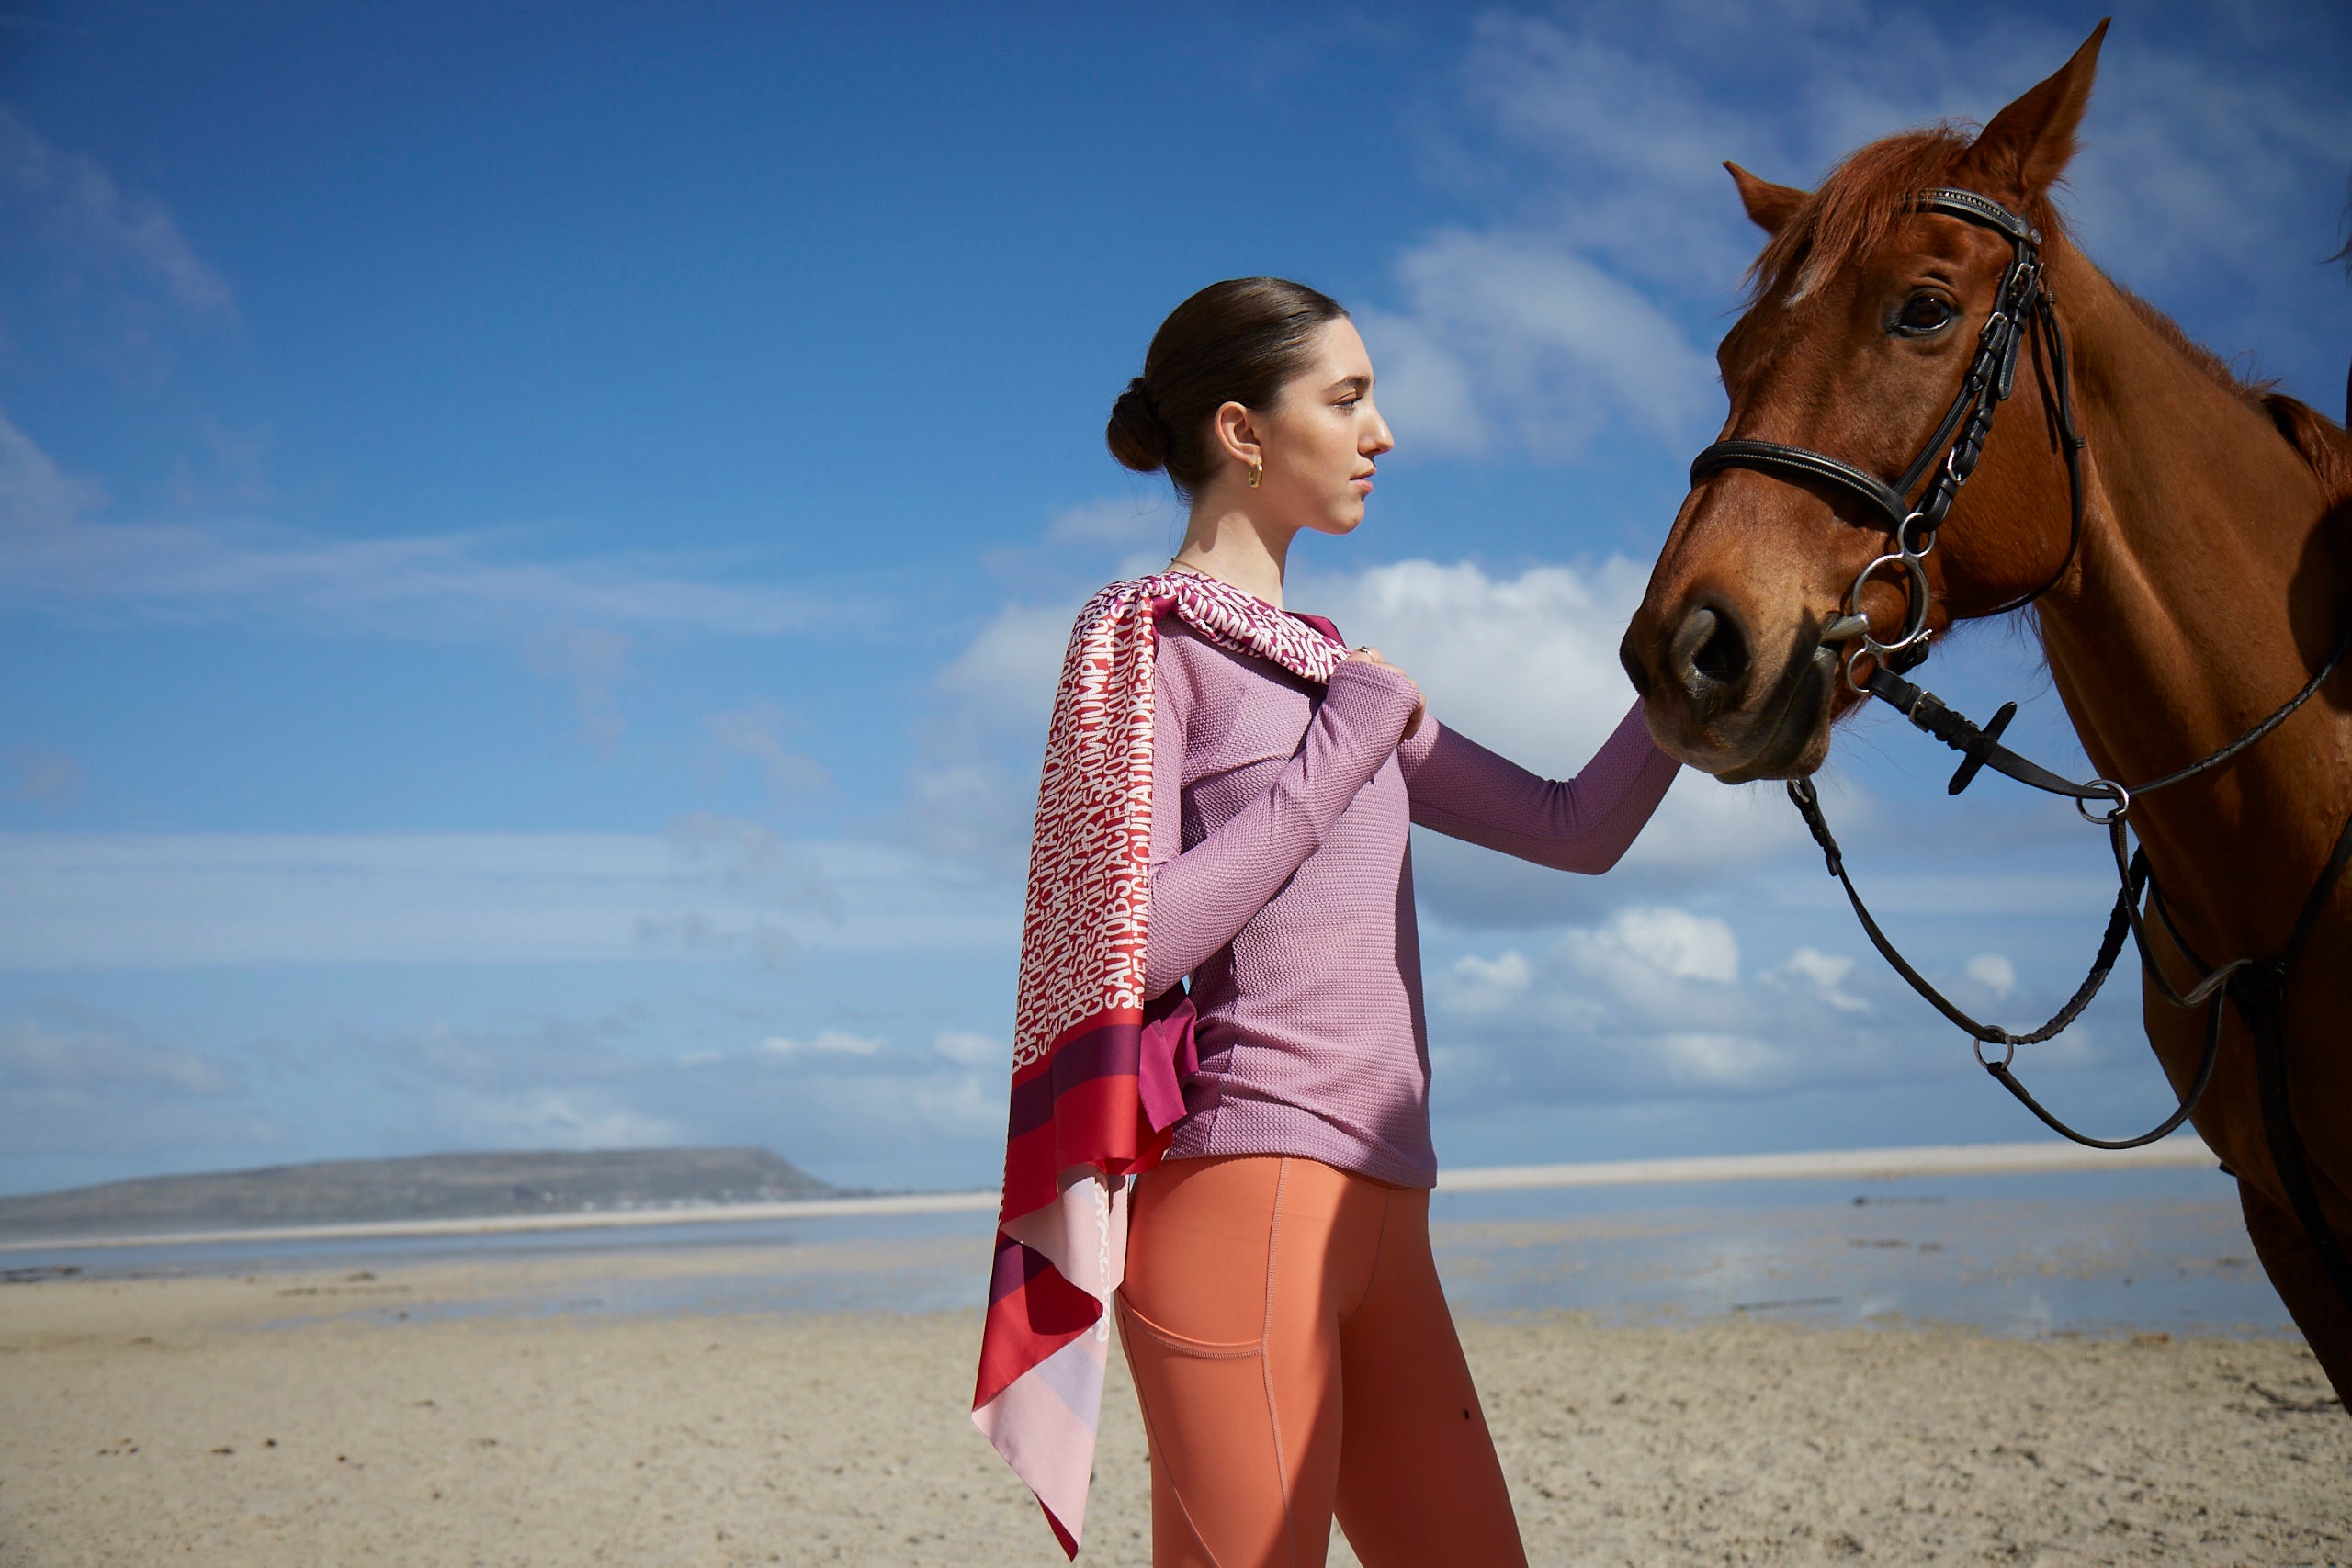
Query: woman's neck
[1229,544]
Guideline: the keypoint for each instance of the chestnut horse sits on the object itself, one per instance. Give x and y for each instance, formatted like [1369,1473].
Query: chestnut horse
[2211,579]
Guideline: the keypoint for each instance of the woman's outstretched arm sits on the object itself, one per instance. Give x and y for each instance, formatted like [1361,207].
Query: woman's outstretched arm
[1465,791]
[1200,897]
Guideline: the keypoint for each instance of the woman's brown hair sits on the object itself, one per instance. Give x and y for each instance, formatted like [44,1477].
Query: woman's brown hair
[1234,342]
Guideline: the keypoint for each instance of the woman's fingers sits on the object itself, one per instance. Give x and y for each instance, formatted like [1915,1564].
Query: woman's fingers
[1364,653]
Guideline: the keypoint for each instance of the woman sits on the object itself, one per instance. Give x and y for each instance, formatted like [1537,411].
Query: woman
[1246,784]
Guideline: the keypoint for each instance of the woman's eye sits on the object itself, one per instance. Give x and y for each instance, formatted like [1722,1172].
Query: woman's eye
[1922,314]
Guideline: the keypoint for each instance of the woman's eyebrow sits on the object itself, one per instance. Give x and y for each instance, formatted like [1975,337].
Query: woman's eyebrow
[1360,385]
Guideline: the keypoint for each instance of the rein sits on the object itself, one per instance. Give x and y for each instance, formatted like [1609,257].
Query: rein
[2024,304]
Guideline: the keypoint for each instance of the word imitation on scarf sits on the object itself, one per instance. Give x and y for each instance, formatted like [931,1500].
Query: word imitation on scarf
[1095,1084]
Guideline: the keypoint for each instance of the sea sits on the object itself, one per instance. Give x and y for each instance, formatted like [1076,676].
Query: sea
[2087,1253]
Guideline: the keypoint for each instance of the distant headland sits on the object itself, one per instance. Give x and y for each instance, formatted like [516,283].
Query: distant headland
[426,1187]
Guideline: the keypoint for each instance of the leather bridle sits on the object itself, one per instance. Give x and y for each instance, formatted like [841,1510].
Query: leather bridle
[1950,455]
[2024,305]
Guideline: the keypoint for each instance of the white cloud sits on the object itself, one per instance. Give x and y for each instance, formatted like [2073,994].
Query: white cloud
[973,814]
[971,797]
[1717,1061]
[1527,666]
[1509,339]
[826,1042]
[54,555]
[1586,302]
[548,1117]
[1993,972]
[1133,526]
[761,731]
[94,226]
[1004,678]
[826,1097]
[75,1084]
[39,500]
[1651,1003]
[1488,984]
[1825,974]
[593,661]
[971,1050]
[1639,949]
[714,888]
[89,1052]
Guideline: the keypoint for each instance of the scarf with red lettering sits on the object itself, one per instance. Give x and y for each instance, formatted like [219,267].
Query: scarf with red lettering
[1095,1069]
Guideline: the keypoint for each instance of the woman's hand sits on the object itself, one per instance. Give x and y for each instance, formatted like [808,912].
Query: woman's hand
[1367,654]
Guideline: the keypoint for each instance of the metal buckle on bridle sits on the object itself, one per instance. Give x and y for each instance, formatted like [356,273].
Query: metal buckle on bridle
[1945,462]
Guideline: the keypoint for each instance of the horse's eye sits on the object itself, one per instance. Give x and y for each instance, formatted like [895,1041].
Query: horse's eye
[1922,314]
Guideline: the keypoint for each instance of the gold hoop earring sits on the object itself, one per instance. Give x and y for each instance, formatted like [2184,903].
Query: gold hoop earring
[1256,472]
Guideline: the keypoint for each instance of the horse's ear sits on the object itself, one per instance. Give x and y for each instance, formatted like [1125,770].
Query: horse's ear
[2030,144]
[1769,205]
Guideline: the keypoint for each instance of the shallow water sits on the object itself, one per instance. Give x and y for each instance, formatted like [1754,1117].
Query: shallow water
[2159,1252]
[2091,1253]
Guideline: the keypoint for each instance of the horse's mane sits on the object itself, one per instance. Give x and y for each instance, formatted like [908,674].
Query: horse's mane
[1849,215]
[2320,441]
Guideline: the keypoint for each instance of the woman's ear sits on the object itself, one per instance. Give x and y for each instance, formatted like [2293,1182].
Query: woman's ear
[1233,432]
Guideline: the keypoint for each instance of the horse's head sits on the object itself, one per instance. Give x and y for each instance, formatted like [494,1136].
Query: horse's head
[1865,316]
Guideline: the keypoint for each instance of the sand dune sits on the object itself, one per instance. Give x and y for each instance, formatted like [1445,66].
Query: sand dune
[297,1421]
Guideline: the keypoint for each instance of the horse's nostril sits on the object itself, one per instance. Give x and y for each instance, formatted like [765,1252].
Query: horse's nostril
[1722,658]
[1710,654]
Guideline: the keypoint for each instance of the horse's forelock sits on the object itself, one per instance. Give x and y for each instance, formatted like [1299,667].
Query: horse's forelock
[1845,219]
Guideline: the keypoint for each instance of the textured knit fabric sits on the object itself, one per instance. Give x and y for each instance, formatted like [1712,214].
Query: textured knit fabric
[1282,883]
[1292,1355]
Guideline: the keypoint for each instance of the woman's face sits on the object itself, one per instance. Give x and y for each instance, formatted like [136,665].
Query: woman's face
[1319,440]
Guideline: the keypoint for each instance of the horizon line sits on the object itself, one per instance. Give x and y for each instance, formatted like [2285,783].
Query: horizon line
[2182,1150]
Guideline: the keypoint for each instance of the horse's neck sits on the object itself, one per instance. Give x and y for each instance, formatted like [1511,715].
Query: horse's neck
[2202,532]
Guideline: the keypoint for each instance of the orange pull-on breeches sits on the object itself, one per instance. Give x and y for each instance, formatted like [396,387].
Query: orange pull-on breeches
[1294,1355]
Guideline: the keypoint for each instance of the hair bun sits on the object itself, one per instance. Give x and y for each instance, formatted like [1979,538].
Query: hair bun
[1136,435]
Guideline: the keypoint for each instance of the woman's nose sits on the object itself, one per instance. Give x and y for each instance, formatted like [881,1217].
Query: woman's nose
[1383,440]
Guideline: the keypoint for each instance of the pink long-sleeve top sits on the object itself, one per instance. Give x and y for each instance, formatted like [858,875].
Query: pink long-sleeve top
[1282,883]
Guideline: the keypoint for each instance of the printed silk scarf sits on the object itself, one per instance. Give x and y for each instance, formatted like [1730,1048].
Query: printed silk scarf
[1095,1088]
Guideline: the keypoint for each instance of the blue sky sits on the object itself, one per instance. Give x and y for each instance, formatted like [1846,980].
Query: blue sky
[534,540]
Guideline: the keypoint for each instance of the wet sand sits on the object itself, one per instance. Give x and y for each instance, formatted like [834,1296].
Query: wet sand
[293,1420]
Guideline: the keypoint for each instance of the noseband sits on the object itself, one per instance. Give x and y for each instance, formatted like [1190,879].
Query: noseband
[1949,456]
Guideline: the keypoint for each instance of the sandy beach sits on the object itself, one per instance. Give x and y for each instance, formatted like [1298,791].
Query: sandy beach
[421,1416]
